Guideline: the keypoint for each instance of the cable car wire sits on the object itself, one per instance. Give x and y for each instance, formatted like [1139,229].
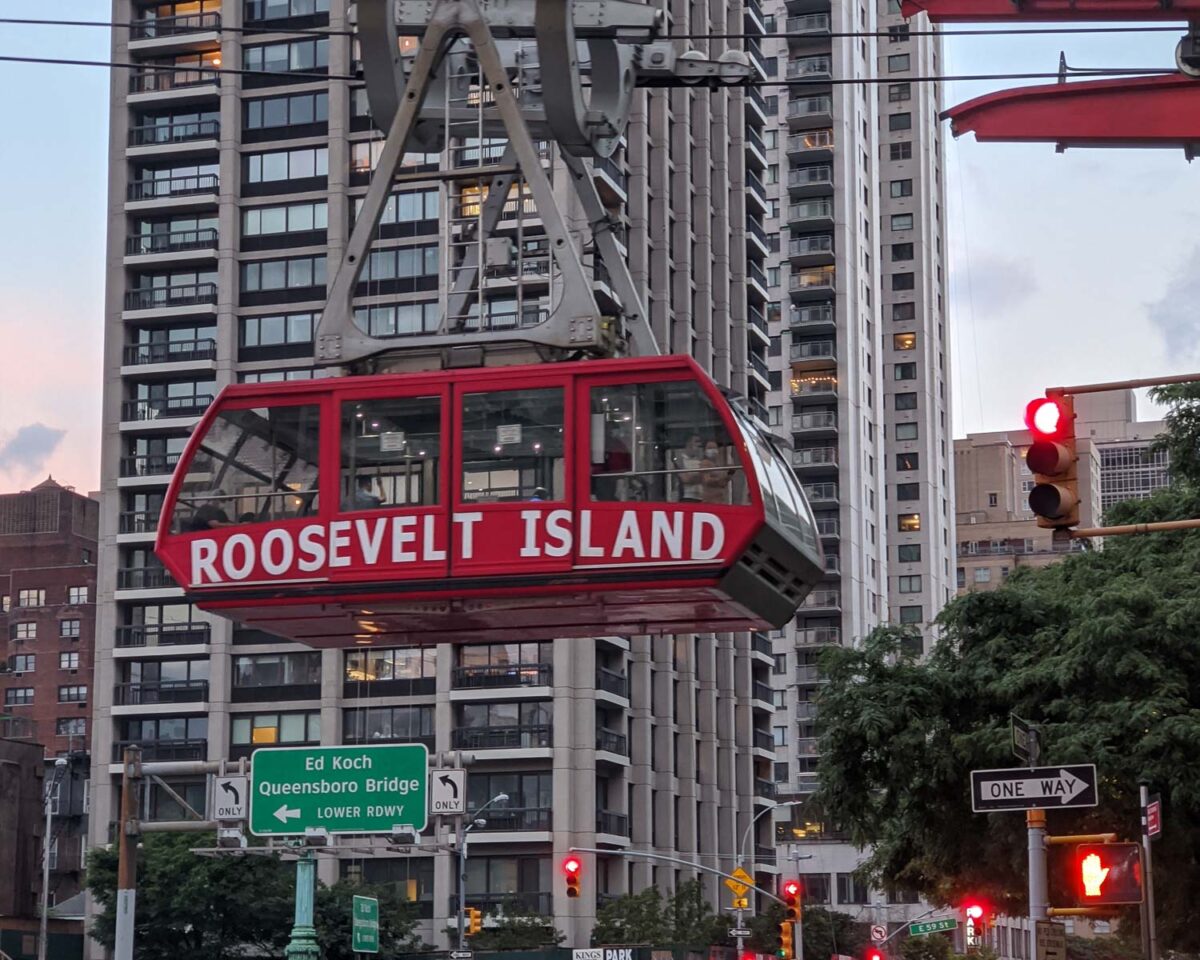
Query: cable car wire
[132,24]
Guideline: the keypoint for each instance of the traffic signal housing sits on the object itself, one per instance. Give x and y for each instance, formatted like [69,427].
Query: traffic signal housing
[1107,874]
[474,921]
[571,868]
[787,941]
[1053,460]
[974,922]
[873,953]
[791,900]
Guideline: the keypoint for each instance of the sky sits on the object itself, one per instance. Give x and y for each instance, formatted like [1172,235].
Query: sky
[1063,268]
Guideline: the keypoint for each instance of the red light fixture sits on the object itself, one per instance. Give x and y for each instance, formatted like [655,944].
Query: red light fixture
[571,867]
[974,911]
[1045,418]
[791,888]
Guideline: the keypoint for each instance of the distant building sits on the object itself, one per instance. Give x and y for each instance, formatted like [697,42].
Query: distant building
[48,546]
[996,530]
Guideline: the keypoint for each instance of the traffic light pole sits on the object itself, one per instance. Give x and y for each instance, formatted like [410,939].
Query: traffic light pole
[1035,826]
[1149,924]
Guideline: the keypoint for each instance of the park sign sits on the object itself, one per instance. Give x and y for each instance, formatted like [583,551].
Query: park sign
[338,789]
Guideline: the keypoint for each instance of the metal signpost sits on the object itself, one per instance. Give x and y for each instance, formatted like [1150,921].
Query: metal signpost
[1038,788]
[923,927]
[338,789]
[1151,828]
[364,925]
[739,887]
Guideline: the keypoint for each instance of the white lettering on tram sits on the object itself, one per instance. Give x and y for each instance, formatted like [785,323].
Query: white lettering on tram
[655,535]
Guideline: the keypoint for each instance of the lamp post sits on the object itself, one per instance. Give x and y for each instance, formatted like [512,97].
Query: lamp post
[60,768]
[463,829]
[745,840]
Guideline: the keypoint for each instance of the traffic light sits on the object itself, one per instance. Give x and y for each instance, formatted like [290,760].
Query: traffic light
[791,900]
[873,953]
[571,867]
[1107,874]
[1053,459]
[973,923]
[474,921]
[787,941]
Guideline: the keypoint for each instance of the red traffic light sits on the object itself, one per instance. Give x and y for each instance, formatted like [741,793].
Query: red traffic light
[791,888]
[874,954]
[974,911]
[571,866]
[1046,418]
[1108,873]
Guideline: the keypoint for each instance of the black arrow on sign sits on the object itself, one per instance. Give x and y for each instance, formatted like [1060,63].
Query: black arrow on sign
[448,781]
[230,788]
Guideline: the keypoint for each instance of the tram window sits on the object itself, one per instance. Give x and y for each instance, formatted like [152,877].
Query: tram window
[662,442]
[391,452]
[512,446]
[252,466]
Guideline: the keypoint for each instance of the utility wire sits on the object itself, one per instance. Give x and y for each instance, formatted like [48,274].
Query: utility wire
[132,24]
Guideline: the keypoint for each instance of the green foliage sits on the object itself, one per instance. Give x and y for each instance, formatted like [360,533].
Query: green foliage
[1100,649]
[685,919]
[515,927]
[930,947]
[828,932]
[224,908]
[1181,439]
[1101,948]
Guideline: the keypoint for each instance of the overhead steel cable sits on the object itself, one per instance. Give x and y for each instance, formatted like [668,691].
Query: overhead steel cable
[216,28]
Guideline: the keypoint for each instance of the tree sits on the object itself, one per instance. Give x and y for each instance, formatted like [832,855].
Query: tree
[685,919]
[516,927]
[333,919]
[196,908]
[1099,649]
[932,947]
[1181,439]
[828,932]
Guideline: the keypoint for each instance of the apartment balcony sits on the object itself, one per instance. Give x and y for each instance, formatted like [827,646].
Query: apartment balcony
[815,214]
[160,691]
[536,903]
[833,564]
[490,677]
[612,741]
[612,682]
[814,179]
[809,673]
[516,737]
[811,146]
[821,494]
[760,643]
[517,819]
[806,113]
[812,355]
[763,695]
[757,113]
[756,149]
[814,386]
[818,636]
[612,183]
[823,599]
[172,84]
[180,246]
[758,367]
[811,250]
[815,318]
[138,522]
[139,636]
[815,458]
[810,68]
[764,789]
[154,750]
[166,409]
[756,325]
[808,747]
[797,8]
[143,578]
[804,29]
[828,527]
[812,283]
[615,824]
[762,740]
[143,466]
[756,283]
[757,192]
[758,244]
[189,295]
[173,193]
[816,422]
[189,31]
[189,352]
[176,139]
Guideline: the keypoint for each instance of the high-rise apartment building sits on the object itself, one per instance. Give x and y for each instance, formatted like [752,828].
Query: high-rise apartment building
[860,380]
[48,554]
[231,199]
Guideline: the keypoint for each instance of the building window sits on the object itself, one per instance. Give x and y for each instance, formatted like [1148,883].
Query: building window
[905,371]
[908,461]
[904,281]
[816,887]
[906,401]
[285,218]
[294,56]
[781,773]
[898,33]
[908,522]
[910,615]
[908,491]
[413,206]
[23,631]
[399,663]
[277,669]
[898,62]
[902,221]
[71,726]
[404,263]
[302,164]
[901,150]
[23,663]
[296,110]
[278,330]
[908,553]
[993,499]
[5,603]
[69,628]
[77,595]
[899,92]
[18,696]
[911,584]
[291,274]
[906,431]
[904,311]
[76,693]
[31,598]
[983,574]
[899,121]
[399,724]
[265,729]
[284,9]
[850,889]
[901,251]
[409,319]
[780,736]
[961,576]
[68,660]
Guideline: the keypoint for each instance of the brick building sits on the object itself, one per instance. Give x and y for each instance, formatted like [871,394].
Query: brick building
[48,547]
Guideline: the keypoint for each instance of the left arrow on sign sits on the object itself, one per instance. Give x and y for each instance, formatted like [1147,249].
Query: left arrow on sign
[284,814]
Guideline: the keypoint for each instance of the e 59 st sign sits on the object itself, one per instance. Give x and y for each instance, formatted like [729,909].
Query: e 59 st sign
[338,789]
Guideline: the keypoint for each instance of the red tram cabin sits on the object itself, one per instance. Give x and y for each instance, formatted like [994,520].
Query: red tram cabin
[559,500]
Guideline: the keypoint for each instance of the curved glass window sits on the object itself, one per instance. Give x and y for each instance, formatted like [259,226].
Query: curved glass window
[391,452]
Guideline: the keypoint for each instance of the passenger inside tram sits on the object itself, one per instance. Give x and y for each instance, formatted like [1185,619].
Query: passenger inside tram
[391,452]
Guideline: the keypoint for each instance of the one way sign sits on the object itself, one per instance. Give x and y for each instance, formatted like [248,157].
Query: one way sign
[448,791]
[1053,788]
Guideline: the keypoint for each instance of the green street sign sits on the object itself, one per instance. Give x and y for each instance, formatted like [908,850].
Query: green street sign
[338,789]
[932,926]
[364,925]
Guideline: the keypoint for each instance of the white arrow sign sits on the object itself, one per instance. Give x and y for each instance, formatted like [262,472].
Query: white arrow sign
[1063,788]
[448,790]
[284,814]
[1070,785]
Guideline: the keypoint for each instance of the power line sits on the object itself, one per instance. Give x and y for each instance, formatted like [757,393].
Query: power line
[132,24]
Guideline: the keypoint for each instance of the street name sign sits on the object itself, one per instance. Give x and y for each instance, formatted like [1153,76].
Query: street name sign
[1153,816]
[1024,739]
[230,799]
[740,932]
[923,927]
[461,954]
[448,791]
[338,789]
[1051,940]
[1055,788]
[364,925]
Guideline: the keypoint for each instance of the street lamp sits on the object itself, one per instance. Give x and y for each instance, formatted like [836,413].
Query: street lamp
[463,829]
[755,819]
[60,768]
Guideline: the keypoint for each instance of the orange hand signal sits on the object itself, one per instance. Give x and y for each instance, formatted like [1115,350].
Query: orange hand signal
[1093,875]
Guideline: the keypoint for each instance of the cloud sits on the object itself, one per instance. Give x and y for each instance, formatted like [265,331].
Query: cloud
[996,285]
[27,450]
[1176,314]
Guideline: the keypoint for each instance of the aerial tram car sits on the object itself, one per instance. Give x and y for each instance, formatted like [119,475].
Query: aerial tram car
[478,496]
